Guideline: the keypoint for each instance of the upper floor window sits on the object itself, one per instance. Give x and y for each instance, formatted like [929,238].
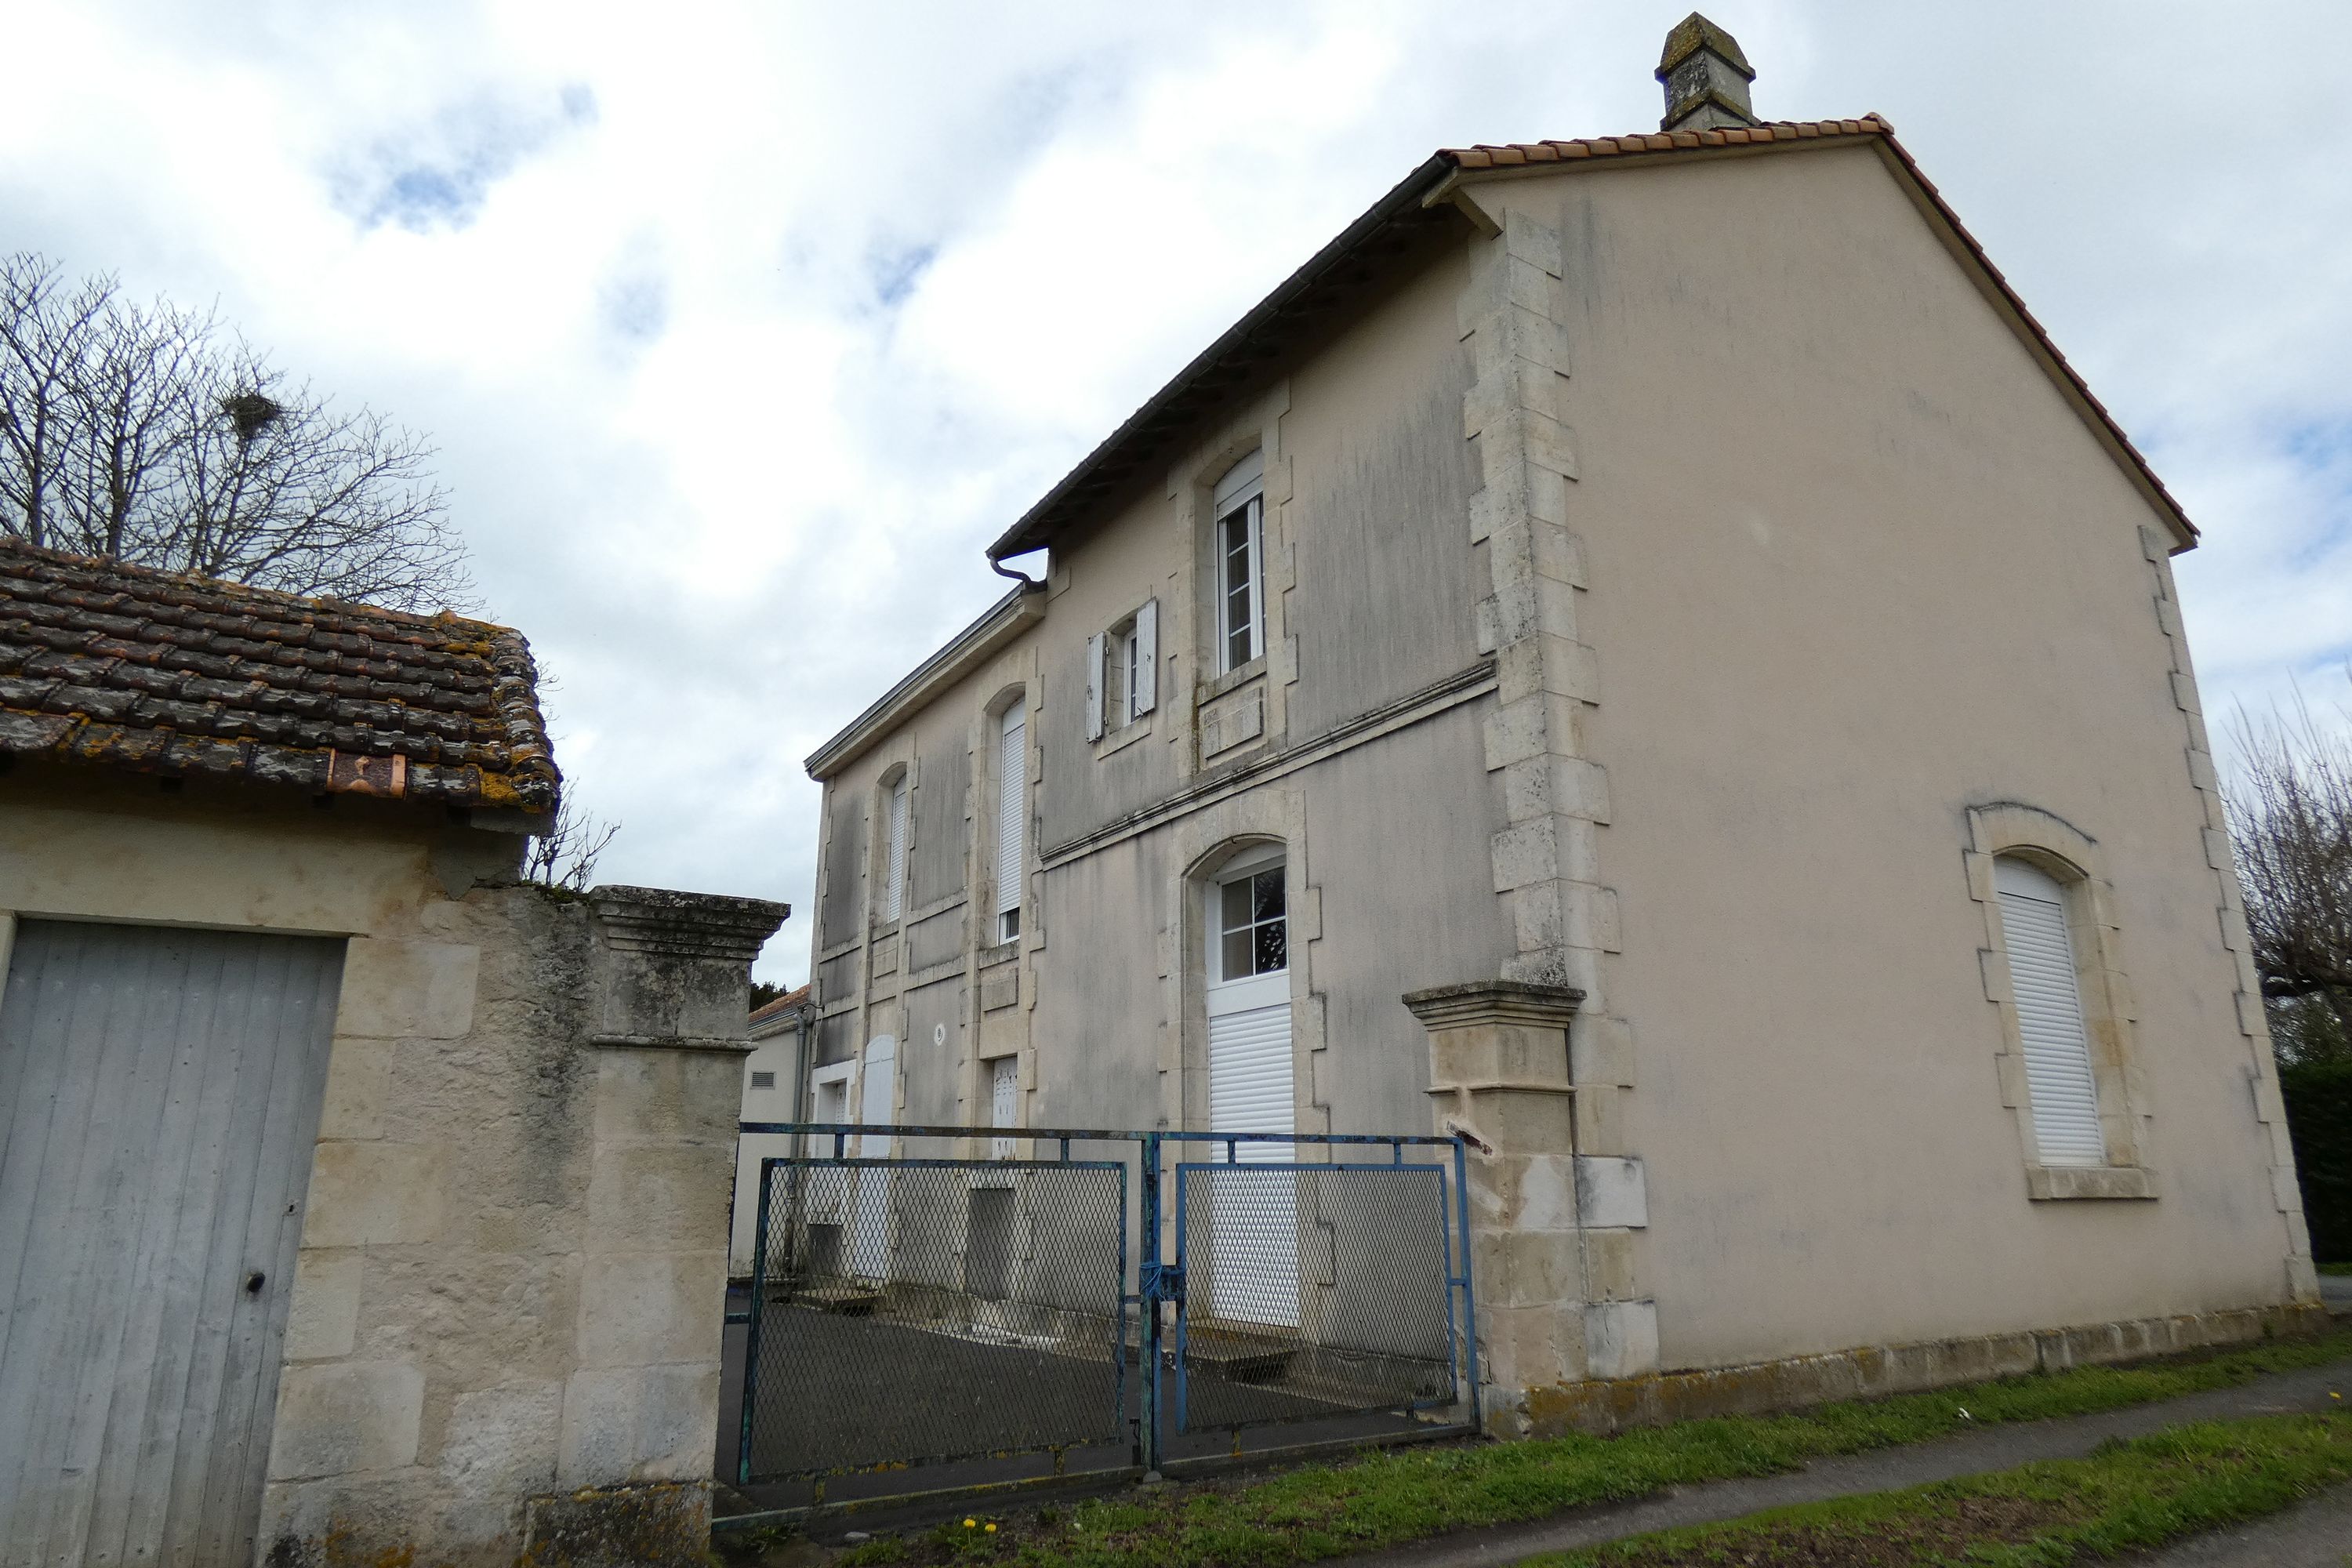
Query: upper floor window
[1239,507]
[894,857]
[1012,815]
[2059,1080]
[1122,672]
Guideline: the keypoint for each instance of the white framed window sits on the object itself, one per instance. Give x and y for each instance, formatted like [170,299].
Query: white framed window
[1122,672]
[1239,507]
[1249,921]
[1012,815]
[2059,1083]
[894,857]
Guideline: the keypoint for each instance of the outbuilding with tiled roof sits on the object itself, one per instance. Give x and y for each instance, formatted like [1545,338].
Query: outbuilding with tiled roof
[315,1116]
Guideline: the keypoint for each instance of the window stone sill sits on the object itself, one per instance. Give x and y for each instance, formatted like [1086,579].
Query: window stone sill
[1241,675]
[1118,739]
[2045,1184]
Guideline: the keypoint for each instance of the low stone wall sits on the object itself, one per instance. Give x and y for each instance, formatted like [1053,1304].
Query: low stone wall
[504,1340]
[1869,1371]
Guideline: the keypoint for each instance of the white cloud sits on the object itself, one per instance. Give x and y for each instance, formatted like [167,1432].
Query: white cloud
[742,328]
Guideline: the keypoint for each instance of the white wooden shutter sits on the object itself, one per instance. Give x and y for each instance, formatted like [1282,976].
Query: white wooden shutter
[1095,687]
[1011,805]
[894,863]
[1146,695]
[2049,1015]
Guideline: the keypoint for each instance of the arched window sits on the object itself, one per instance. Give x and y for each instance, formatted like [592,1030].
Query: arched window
[1239,507]
[1011,815]
[2056,1044]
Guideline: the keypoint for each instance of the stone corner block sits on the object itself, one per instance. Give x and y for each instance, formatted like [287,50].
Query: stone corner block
[376,1193]
[638,1424]
[647,1308]
[1612,1192]
[395,988]
[345,1417]
[323,1318]
[1620,1339]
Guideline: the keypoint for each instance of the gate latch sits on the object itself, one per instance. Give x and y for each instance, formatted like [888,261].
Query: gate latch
[1162,1282]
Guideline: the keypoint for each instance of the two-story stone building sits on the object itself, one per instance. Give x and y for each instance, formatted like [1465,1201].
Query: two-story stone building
[1644,644]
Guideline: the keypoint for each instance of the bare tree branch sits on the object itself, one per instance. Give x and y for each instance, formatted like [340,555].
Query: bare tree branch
[152,436]
[2291,824]
[565,855]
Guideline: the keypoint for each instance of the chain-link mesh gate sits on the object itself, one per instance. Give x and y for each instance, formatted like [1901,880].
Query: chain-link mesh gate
[1312,1290]
[915,1311]
[912,1313]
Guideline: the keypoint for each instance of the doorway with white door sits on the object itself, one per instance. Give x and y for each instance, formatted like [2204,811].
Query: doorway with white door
[1246,922]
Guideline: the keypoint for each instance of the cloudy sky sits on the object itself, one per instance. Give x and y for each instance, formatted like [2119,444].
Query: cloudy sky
[742,327]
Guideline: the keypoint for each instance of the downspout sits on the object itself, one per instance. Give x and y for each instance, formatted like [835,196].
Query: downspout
[805,1027]
[1022,578]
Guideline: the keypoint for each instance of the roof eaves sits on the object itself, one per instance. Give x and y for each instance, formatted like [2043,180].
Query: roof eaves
[1436,179]
[996,625]
[1245,340]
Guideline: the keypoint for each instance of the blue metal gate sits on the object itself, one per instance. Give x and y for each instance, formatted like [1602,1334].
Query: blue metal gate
[981,1318]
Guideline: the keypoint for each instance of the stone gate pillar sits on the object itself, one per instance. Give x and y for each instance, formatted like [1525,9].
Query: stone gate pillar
[1550,1229]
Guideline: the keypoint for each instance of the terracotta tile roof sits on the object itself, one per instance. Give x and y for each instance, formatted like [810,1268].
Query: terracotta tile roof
[1512,155]
[158,673]
[785,1003]
[1395,230]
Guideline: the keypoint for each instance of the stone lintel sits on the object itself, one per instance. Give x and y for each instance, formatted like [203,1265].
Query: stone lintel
[1520,1002]
[685,925]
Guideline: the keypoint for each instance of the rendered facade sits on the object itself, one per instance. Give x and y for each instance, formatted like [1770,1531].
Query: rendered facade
[1706,679]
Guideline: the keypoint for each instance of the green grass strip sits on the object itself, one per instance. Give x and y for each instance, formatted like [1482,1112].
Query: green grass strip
[1318,1511]
[2335,1268]
[2126,1497]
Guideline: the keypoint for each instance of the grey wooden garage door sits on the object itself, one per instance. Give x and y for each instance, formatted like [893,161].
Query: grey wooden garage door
[159,1097]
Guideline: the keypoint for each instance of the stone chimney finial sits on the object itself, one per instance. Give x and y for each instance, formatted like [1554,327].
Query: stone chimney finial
[1707,79]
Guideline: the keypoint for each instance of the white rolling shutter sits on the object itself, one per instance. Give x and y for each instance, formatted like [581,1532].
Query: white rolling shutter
[2049,1015]
[1243,478]
[1095,687]
[894,863]
[1011,805]
[1146,694]
[1249,1075]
